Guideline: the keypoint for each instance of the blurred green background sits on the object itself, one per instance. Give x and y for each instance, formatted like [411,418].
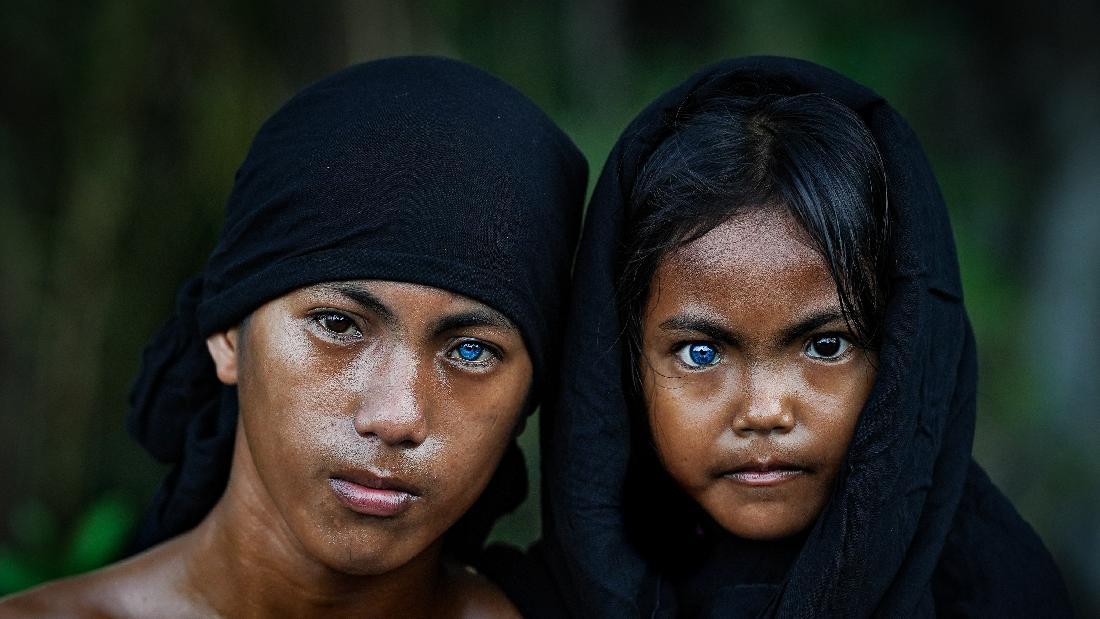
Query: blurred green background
[122,123]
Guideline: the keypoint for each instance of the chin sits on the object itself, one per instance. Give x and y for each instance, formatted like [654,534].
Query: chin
[366,565]
[366,562]
[759,527]
[355,554]
[764,534]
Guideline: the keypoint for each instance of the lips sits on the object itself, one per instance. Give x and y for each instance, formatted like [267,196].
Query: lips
[763,472]
[373,495]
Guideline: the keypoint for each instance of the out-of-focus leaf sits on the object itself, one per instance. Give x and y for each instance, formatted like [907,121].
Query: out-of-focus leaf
[100,535]
[16,573]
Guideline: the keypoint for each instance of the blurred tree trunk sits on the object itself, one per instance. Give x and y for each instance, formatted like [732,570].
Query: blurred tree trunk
[1045,62]
[115,161]
[1065,326]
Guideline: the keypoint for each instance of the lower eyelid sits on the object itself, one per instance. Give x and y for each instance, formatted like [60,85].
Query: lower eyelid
[846,348]
[354,332]
[491,352]
[679,349]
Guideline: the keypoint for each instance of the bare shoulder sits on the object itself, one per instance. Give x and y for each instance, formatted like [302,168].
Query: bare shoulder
[88,595]
[142,586]
[473,595]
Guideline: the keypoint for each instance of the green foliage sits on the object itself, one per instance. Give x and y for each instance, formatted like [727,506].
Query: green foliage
[39,551]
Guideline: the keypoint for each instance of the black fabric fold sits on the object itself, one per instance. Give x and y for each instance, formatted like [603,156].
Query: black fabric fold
[416,169]
[894,538]
[177,375]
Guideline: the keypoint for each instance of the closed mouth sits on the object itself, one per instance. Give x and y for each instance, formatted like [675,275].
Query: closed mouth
[765,472]
[373,495]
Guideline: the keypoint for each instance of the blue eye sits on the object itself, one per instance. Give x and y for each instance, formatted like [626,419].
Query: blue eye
[698,355]
[472,351]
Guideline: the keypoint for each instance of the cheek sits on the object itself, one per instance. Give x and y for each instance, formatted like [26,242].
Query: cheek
[295,404]
[837,400]
[289,368]
[686,416]
[475,421]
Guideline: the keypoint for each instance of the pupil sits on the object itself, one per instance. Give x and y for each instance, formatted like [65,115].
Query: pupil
[702,354]
[827,346]
[338,324]
[469,351]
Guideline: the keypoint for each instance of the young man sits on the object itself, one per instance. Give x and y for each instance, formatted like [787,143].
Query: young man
[345,378]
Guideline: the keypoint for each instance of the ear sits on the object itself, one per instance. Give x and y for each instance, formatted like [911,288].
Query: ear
[224,349]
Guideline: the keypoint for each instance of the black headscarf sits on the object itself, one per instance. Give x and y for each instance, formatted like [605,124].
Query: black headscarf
[913,527]
[422,170]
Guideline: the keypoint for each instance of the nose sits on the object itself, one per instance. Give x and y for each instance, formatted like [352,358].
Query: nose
[392,407]
[765,405]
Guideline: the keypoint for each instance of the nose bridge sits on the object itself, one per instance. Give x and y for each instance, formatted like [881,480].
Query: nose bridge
[392,403]
[767,400]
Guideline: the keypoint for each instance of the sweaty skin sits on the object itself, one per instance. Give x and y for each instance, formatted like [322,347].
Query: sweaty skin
[751,383]
[341,385]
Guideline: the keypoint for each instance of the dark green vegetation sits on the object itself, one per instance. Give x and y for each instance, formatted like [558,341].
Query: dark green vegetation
[121,124]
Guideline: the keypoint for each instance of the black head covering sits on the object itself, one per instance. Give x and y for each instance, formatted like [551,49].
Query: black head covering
[422,170]
[913,526]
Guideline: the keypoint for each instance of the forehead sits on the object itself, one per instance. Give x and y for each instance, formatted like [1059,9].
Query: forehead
[762,257]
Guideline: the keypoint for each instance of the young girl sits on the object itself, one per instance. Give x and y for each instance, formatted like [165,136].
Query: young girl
[768,405]
[340,389]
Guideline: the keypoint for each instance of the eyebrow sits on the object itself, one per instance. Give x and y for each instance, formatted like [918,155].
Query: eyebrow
[364,298]
[700,324]
[808,324]
[718,332]
[478,317]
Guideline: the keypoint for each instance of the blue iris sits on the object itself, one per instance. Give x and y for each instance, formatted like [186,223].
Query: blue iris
[470,351]
[702,354]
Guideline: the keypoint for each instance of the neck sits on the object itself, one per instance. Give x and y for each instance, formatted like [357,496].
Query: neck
[244,560]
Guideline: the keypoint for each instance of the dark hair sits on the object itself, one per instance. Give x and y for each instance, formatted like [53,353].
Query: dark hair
[807,153]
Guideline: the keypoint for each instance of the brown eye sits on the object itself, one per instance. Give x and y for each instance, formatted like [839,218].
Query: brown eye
[827,347]
[337,324]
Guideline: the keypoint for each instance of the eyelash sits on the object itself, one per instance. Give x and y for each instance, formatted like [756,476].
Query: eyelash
[680,348]
[493,353]
[319,317]
[845,345]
